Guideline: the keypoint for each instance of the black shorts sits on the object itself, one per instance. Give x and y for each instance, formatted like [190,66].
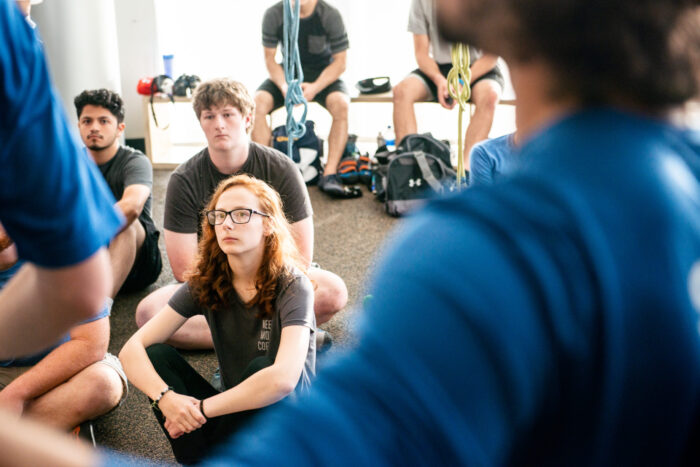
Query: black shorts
[495,74]
[147,265]
[278,98]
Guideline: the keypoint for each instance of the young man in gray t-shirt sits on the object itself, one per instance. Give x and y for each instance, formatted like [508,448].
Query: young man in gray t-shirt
[323,44]
[429,81]
[134,253]
[225,111]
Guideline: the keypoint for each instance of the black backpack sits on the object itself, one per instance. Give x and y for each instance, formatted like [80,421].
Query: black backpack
[428,144]
[307,151]
[418,169]
[412,178]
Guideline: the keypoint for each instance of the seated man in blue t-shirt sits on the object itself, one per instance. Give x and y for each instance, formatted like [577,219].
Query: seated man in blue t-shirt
[491,158]
[68,383]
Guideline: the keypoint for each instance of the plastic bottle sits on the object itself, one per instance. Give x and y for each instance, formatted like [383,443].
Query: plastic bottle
[390,138]
[380,140]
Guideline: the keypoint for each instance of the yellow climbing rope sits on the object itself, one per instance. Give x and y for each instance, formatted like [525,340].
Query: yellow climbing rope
[458,80]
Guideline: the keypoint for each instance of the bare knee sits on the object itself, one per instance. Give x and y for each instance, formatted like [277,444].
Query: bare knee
[263,104]
[101,391]
[407,92]
[153,303]
[487,99]
[338,105]
[330,295]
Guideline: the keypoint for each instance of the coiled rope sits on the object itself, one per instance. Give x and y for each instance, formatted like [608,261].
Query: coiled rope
[293,74]
[458,80]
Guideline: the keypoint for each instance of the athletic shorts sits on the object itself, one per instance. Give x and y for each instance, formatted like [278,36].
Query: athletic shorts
[495,74]
[320,98]
[147,265]
[9,373]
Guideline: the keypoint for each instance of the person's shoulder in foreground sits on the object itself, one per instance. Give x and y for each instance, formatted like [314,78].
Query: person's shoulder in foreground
[68,186]
[533,293]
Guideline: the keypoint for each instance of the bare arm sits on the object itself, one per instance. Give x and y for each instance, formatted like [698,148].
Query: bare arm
[303,232]
[87,345]
[426,64]
[275,70]
[177,408]
[270,384]
[329,75]
[483,65]
[27,443]
[132,202]
[182,252]
[56,298]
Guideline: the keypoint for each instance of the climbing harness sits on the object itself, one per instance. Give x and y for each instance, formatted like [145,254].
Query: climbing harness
[293,74]
[458,80]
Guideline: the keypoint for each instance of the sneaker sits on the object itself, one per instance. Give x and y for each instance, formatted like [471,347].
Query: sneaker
[331,185]
[347,170]
[324,341]
[86,432]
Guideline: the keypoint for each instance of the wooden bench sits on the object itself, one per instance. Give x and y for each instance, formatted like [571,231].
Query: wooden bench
[161,145]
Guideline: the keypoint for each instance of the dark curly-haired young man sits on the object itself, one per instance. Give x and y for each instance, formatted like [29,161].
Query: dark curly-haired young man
[134,254]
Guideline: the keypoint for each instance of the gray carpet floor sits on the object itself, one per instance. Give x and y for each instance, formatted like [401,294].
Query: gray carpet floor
[349,235]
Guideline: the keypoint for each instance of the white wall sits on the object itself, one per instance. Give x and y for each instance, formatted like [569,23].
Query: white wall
[138,56]
[80,39]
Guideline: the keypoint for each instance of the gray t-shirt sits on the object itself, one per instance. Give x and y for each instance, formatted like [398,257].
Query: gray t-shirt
[240,336]
[130,167]
[191,185]
[422,19]
[321,35]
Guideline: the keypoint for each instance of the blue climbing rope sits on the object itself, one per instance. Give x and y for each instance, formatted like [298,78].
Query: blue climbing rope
[293,74]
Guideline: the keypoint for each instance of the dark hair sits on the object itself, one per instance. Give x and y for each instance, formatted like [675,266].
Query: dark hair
[641,52]
[105,98]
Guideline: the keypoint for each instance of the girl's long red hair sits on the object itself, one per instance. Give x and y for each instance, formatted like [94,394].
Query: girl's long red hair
[211,282]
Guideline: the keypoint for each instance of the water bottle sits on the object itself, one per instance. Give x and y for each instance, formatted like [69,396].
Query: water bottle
[380,140]
[390,138]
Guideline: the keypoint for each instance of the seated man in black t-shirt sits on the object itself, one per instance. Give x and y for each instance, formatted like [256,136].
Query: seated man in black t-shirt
[323,44]
[134,253]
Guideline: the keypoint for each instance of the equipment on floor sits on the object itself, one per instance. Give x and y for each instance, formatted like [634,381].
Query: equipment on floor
[419,169]
[458,80]
[307,151]
[293,74]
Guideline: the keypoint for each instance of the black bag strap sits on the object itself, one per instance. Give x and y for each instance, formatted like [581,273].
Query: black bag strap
[153,110]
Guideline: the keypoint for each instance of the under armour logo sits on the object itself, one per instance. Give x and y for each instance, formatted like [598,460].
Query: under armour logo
[414,182]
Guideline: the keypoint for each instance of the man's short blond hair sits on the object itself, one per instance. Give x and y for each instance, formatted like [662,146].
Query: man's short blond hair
[220,92]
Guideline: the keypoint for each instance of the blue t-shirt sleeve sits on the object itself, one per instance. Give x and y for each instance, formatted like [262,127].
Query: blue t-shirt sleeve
[54,202]
[480,167]
[437,372]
